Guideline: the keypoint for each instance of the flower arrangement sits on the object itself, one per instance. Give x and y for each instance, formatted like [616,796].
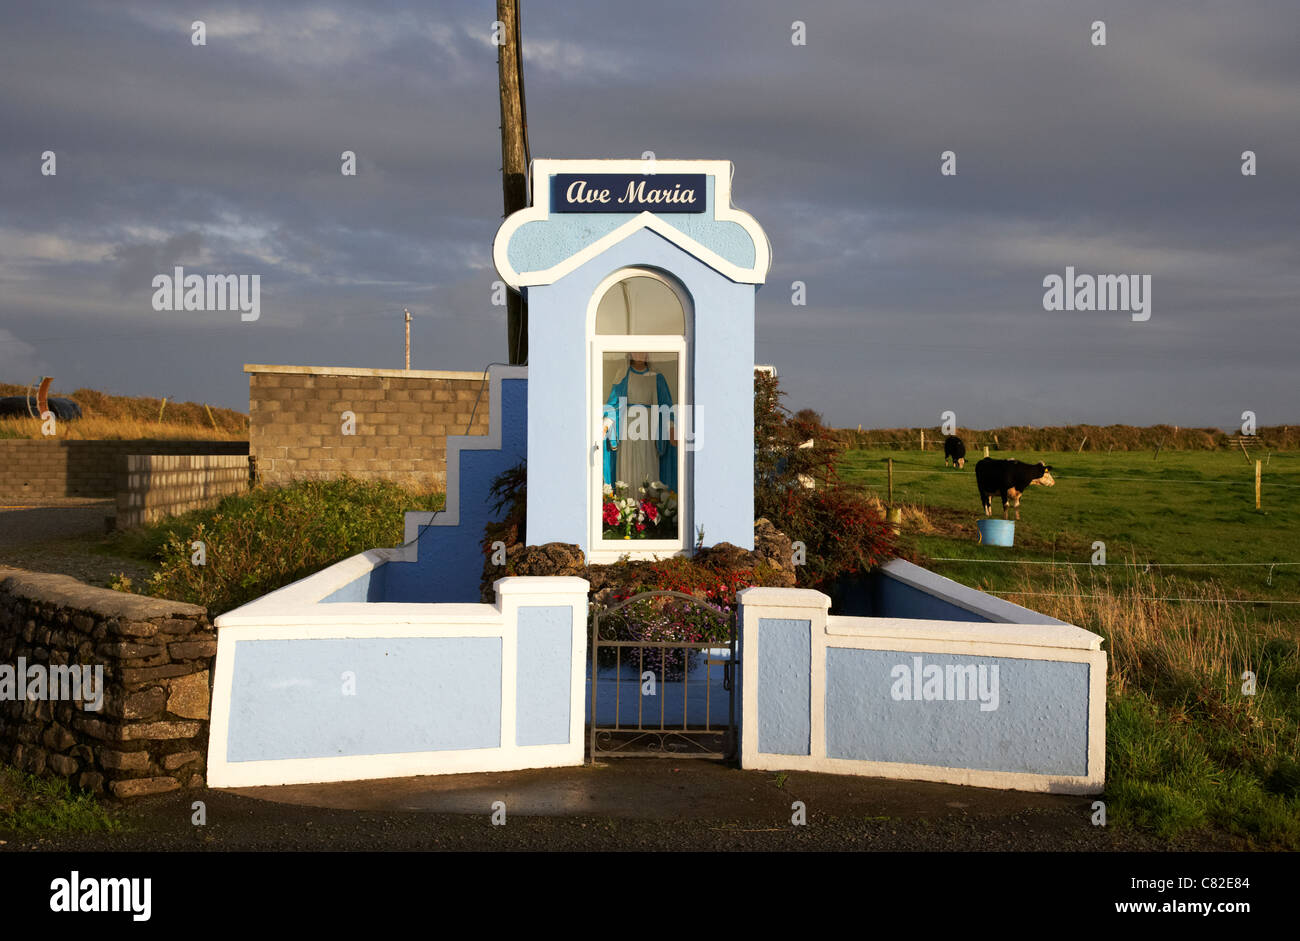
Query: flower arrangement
[649,513]
[670,620]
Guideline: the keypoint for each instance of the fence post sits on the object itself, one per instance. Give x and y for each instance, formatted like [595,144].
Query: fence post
[1258,470]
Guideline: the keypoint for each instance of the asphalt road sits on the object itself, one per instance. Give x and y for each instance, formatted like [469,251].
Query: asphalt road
[627,804]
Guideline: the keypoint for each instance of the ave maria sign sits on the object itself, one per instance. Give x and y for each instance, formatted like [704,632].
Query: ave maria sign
[627,192]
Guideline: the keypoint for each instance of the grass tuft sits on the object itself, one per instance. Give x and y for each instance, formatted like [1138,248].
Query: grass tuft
[39,805]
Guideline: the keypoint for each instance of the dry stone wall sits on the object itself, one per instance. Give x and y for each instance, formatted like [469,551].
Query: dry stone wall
[155,657]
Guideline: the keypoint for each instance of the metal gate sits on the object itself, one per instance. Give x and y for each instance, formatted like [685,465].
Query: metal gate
[669,639]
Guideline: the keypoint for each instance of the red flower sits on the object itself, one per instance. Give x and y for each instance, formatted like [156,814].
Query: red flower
[610,514]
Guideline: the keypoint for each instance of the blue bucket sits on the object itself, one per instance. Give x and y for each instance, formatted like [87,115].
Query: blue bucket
[996,532]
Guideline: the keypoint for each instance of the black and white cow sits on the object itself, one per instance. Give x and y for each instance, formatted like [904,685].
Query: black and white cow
[1009,479]
[954,449]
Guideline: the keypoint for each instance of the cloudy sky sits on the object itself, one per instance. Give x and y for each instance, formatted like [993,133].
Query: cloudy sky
[925,292]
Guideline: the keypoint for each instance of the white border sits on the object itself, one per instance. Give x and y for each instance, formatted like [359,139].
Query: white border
[500,620]
[723,211]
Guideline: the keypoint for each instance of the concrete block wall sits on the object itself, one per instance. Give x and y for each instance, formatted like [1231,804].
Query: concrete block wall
[150,732]
[154,486]
[402,421]
[48,468]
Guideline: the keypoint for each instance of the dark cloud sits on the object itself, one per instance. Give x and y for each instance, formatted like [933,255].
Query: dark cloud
[924,292]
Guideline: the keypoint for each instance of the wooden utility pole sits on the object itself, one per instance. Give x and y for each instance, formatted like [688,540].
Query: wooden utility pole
[408,338]
[514,154]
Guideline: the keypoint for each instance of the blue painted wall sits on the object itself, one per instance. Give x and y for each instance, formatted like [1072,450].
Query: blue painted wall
[412,694]
[545,668]
[1040,725]
[784,686]
[895,599]
[449,562]
[722,373]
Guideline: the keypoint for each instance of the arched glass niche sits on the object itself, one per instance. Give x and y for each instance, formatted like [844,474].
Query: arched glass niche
[640,305]
[640,332]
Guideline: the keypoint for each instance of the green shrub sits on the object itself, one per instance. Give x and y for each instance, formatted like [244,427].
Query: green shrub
[841,528]
[271,536]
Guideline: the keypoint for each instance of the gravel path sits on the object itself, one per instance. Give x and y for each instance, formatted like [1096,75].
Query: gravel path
[63,537]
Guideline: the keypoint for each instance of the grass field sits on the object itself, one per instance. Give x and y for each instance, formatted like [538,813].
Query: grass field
[1194,594]
[1184,514]
[108,416]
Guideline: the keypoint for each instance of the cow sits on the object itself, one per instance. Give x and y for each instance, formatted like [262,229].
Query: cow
[954,449]
[1009,479]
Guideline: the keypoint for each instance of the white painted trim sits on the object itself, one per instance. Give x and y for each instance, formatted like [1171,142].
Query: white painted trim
[450,515]
[499,620]
[360,371]
[955,593]
[1005,780]
[1065,636]
[723,211]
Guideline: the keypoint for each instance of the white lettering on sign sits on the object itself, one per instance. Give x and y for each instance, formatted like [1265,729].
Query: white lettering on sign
[637,192]
[578,193]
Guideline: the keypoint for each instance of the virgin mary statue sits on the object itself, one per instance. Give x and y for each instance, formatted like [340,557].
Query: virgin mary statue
[639,431]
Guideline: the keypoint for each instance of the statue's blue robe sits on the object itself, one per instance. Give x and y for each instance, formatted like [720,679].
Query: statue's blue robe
[667,450]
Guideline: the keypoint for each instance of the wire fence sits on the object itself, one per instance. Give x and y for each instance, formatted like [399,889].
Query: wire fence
[1050,594]
[1135,565]
[1161,481]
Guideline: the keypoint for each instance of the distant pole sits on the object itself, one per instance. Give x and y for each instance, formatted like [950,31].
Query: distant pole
[1258,470]
[923,440]
[408,338]
[986,450]
[891,481]
[1081,444]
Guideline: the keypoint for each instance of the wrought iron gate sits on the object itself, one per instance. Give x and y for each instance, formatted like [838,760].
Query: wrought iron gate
[652,632]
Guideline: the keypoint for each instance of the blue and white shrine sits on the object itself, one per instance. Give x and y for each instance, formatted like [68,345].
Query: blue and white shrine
[639,277]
